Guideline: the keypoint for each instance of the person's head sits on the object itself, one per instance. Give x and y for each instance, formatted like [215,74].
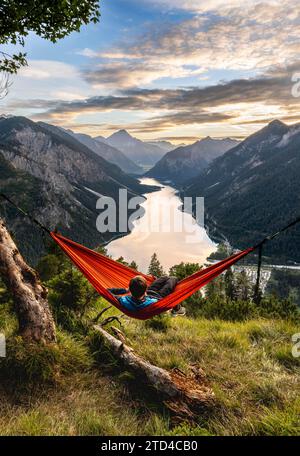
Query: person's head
[138,287]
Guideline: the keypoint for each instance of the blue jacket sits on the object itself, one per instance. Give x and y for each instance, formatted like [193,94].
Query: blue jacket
[135,305]
[129,302]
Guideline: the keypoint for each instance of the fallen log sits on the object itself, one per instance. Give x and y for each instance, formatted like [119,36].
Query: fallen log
[183,394]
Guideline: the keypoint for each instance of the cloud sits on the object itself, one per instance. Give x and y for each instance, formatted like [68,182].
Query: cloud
[223,7]
[133,73]
[168,122]
[47,69]
[258,39]
[44,80]
[87,52]
[177,138]
[221,35]
[181,118]
[241,101]
[273,87]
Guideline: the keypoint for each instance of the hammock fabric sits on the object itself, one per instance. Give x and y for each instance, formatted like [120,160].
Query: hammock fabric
[103,273]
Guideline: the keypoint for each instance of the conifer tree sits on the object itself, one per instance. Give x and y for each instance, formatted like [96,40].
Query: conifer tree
[243,286]
[229,284]
[133,265]
[155,268]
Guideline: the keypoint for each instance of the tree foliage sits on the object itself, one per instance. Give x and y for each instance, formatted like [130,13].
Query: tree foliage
[183,270]
[131,265]
[71,296]
[51,20]
[71,290]
[229,284]
[53,262]
[222,252]
[215,288]
[285,283]
[155,268]
[243,288]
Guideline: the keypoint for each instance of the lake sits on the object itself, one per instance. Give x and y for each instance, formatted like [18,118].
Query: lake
[164,229]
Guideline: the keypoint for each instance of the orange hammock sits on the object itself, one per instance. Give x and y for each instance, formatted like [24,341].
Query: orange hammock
[104,273]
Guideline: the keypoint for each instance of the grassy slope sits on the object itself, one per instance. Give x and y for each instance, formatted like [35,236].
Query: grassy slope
[249,365]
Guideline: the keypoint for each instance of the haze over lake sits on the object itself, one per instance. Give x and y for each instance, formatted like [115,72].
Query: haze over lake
[151,233]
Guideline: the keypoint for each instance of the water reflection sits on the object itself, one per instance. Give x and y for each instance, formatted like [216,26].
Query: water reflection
[151,233]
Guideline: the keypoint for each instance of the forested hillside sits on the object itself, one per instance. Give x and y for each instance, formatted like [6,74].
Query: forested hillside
[253,190]
[57,179]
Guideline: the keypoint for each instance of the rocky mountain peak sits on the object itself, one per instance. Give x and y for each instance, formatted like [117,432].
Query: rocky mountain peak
[121,134]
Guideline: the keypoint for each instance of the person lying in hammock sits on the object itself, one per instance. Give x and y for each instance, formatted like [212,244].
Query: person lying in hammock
[142,296]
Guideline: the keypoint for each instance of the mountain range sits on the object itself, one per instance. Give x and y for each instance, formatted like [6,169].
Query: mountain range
[166,146]
[111,154]
[58,179]
[132,155]
[142,153]
[186,162]
[254,189]
[251,188]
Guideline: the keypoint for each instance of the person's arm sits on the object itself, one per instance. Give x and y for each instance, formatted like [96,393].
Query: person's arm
[118,291]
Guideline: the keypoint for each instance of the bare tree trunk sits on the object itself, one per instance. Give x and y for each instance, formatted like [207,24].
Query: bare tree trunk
[30,296]
[4,82]
[184,395]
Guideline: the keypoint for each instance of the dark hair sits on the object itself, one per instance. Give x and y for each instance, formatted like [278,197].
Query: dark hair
[137,286]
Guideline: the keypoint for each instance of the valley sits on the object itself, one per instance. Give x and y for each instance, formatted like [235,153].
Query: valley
[250,187]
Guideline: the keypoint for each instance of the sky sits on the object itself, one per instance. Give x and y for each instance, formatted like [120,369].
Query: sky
[177,70]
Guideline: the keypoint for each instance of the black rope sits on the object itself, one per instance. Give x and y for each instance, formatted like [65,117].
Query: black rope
[257,284]
[257,294]
[294,222]
[273,236]
[26,214]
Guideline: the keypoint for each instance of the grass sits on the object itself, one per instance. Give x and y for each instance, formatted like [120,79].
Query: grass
[249,365]
[76,388]
[88,404]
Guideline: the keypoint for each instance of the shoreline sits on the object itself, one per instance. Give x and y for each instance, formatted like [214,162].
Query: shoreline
[115,237]
[146,239]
